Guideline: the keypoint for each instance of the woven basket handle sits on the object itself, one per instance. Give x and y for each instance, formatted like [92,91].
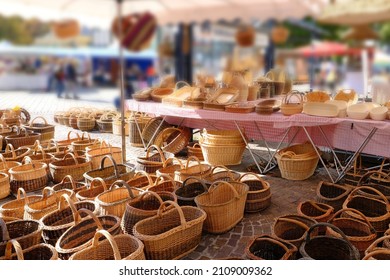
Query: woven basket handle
[23,192]
[66,201]
[87,134]
[24,130]
[2,161]
[70,132]
[381,175]
[49,191]
[336,229]
[10,148]
[53,144]
[196,145]
[145,193]
[197,179]
[92,215]
[18,249]
[315,205]
[354,191]
[106,234]
[293,221]
[72,156]
[39,117]
[373,246]
[4,230]
[158,150]
[367,256]
[216,184]
[191,158]
[383,163]
[164,206]
[145,174]
[39,148]
[338,213]
[113,163]
[170,160]
[28,160]
[69,179]
[96,181]
[164,177]
[251,173]
[121,183]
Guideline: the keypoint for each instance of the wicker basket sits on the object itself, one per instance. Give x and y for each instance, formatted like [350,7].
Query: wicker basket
[318,211]
[159,93]
[6,165]
[114,200]
[222,173]
[324,247]
[332,194]
[169,167]
[10,154]
[117,125]
[164,183]
[57,222]
[142,180]
[5,187]
[24,138]
[191,188]
[297,162]
[68,141]
[359,232]
[153,127]
[15,208]
[137,124]
[26,232]
[376,210]
[172,233]
[31,176]
[374,252]
[222,137]
[105,122]
[39,252]
[48,202]
[96,155]
[82,144]
[173,140]
[143,206]
[86,122]
[292,228]
[119,247]
[221,154]
[96,187]
[46,130]
[195,150]
[224,204]
[69,165]
[150,163]
[259,194]
[199,170]
[267,247]
[68,183]
[110,173]
[80,235]
[292,103]
[6,131]
[378,180]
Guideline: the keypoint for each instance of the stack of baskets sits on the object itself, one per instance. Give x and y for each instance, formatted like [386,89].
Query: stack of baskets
[297,162]
[222,147]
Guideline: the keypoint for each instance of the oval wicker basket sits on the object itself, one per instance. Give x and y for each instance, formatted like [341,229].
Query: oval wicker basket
[292,103]
[46,130]
[259,194]
[267,247]
[320,212]
[199,170]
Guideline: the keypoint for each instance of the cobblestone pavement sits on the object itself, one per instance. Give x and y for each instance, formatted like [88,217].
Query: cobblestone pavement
[285,194]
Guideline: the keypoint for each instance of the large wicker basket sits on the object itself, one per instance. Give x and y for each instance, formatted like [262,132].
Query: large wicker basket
[224,204]
[38,252]
[152,162]
[69,165]
[96,155]
[297,162]
[259,194]
[172,233]
[199,170]
[46,130]
[137,123]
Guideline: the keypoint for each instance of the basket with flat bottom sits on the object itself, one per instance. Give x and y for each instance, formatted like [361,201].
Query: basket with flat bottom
[137,123]
[24,138]
[199,170]
[69,165]
[191,188]
[46,130]
[95,155]
[297,162]
[26,232]
[41,252]
[79,236]
[224,204]
[119,247]
[259,194]
[15,208]
[171,234]
[151,162]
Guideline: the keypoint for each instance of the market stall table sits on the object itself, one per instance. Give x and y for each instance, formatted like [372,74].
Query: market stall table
[335,133]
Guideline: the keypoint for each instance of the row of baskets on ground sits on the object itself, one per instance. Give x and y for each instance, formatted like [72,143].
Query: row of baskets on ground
[164,226]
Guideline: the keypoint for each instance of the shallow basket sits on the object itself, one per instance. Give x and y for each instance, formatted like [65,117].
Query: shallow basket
[297,162]
[119,247]
[171,234]
[224,204]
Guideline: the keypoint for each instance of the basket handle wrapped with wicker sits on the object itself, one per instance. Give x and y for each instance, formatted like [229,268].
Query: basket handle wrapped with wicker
[374,250]
[110,158]
[120,184]
[139,174]
[217,184]
[96,187]
[377,175]
[166,205]
[17,247]
[381,196]
[163,183]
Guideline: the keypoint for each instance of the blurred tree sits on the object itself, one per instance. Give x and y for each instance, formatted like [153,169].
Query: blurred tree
[21,32]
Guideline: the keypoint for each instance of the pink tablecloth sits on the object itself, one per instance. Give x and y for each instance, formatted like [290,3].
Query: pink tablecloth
[342,133]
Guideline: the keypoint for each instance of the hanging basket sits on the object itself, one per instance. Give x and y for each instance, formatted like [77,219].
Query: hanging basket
[266,247]
[119,247]
[171,234]
[224,204]
[143,206]
[80,235]
[323,247]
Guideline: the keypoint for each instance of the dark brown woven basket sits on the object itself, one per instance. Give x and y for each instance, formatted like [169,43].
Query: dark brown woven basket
[24,138]
[324,247]
[332,194]
[191,188]
[26,232]
[318,211]
[143,206]
[377,180]
[39,252]
[111,173]
[150,163]
[266,247]
[57,222]
[80,235]
[375,252]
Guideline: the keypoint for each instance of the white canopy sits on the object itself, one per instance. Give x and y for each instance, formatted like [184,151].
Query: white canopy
[101,12]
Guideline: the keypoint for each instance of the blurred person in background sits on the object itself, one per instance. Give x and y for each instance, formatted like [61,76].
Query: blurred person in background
[59,77]
[71,79]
